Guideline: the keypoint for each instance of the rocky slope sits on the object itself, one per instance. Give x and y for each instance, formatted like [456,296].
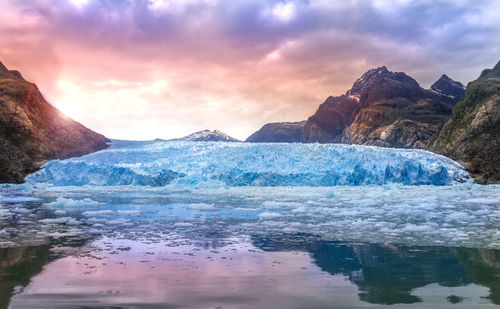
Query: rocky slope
[278,132]
[208,136]
[448,87]
[327,125]
[384,108]
[472,134]
[33,131]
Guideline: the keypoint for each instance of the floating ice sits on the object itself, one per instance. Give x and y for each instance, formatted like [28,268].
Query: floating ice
[92,213]
[132,213]
[67,202]
[18,199]
[410,215]
[201,206]
[189,164]
[220,190]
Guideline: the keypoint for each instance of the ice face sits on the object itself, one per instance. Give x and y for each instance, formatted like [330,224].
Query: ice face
[152,189]
[240,164]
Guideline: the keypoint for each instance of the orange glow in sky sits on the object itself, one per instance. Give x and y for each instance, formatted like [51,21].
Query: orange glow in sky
[163,69]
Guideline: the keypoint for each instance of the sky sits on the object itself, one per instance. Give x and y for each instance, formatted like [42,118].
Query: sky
[145,69]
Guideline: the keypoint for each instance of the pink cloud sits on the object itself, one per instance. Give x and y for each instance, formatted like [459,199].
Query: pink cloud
[147,69]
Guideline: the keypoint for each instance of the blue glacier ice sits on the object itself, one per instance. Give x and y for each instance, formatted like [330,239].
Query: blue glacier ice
[156,190]
[162,163]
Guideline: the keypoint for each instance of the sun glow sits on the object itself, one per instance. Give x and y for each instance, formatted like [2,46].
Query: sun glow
[68,107]
[284,11]
[79,3]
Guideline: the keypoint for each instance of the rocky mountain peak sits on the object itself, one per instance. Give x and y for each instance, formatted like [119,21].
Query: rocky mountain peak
[4,72]
[472,134]
[9,74]
[448,87]
[495,72]
[496,68]
[2,67]
[377,76]
[382,108]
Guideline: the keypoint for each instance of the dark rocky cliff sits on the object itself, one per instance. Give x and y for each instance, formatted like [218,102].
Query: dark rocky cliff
[384,108]
[448,87]
[472,134]
[278,132]
[328,123]
[33,131]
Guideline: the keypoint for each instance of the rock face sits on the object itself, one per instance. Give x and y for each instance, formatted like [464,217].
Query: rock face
[278,132]
[327,125]
[448,87]
[384,108]
[472,135]
[32,131]
[208,136]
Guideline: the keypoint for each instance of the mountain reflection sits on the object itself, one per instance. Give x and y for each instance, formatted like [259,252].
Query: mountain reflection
[384,274]
[387,274]
[17,267]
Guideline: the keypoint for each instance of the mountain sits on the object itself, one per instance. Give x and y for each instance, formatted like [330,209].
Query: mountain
[207,136]
[278,132]
[472,134]
[384,108]
[327,125]
[32,131]
[448,87]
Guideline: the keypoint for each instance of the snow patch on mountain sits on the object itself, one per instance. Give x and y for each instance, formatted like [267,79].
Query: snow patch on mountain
[207,135]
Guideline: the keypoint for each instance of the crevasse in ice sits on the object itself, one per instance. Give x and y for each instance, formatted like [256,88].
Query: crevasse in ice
[162,163]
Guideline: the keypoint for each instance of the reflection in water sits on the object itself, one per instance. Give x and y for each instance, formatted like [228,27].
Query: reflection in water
[483,267]
[298,271]
[387,274]
[158,248]
[17,266]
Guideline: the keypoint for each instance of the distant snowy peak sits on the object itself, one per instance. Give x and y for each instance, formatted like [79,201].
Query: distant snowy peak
[448,87]
[208,136]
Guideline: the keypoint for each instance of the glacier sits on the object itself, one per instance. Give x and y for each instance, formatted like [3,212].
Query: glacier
[151,189]
[180,163]
[188,209]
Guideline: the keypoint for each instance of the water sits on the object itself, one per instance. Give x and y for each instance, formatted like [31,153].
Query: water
[201,239]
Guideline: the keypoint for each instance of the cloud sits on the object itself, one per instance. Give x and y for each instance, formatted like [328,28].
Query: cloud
[284,11]
[163,68]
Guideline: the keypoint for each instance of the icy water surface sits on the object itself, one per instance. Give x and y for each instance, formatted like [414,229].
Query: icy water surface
[138,226]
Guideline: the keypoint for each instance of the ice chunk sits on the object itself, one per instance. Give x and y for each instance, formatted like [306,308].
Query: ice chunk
[68,202]
[132,213]
[269,215]
[92,213]
[19,199]
[201,206]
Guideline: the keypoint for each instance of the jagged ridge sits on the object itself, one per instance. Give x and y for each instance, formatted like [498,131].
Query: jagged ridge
[383,108]
[472,134]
